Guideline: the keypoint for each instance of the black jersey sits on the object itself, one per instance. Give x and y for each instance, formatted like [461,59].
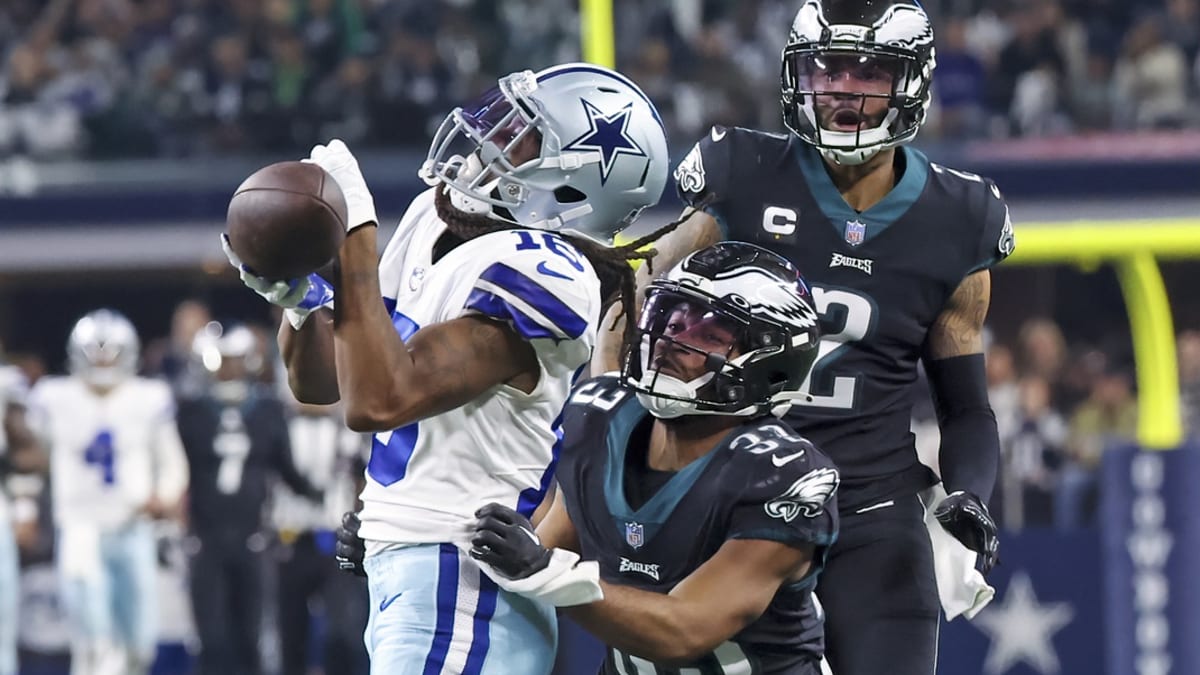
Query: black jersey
[233,449]
[880,278]
[762,481]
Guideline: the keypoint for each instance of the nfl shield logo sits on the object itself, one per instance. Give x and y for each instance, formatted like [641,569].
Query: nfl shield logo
[635,534]
[855,232]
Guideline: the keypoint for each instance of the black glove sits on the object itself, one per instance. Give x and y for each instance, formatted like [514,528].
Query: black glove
[965,517]
[505,540]
[350,549]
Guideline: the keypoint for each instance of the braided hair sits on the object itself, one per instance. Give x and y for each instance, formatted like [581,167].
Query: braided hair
[618,279]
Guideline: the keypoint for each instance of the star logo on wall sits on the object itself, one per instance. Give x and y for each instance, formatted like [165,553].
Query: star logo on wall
[608,135]
[1021,629]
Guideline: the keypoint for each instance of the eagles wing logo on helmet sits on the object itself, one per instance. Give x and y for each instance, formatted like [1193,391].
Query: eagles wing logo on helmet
[903,26]
[807,496]
[769,297]
[808,24]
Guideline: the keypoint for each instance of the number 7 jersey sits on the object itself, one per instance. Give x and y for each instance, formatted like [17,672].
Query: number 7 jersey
[425,480]
[880,279]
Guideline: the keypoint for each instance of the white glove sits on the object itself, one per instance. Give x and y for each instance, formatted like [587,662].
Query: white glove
[338,162]
[564,582]
[298,297]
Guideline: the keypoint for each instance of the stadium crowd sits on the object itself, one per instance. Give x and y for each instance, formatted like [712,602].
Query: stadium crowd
[177,78]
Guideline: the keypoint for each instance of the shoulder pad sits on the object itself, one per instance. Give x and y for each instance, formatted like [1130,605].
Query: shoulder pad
[540,283]
[983,209]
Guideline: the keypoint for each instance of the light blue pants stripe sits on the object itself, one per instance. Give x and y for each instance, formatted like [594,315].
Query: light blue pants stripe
[433,612]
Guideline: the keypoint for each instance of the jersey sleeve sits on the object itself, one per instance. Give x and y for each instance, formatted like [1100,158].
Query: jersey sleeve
[545,290]
[789,496]
[996,241]
[703,178]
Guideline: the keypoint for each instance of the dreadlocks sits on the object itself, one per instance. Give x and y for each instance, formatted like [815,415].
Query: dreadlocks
[617,277]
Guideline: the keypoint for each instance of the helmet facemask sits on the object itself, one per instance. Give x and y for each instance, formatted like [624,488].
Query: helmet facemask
[873,58]
[698,354]
[499,157]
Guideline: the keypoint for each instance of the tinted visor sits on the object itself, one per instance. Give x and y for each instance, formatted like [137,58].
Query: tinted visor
[676,322]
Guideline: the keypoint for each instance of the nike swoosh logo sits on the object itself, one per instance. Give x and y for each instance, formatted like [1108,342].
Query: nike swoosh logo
[388,602]
[780,461]
[545,269]
[717,134]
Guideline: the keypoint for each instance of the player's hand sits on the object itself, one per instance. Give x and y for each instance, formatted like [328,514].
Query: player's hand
[965,517]
[339,162]
[350,549]
[298,297]
[505,540]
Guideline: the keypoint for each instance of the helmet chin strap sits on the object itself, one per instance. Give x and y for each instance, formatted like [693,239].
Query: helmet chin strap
[659,405]
[459,199]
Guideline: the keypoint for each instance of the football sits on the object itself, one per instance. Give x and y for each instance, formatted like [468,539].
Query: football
[286,220]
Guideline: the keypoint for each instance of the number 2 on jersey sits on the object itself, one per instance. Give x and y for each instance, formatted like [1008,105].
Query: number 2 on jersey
[853,315]
[99,453]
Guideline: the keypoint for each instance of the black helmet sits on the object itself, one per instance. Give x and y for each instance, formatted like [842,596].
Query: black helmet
[886,42]
[741,297]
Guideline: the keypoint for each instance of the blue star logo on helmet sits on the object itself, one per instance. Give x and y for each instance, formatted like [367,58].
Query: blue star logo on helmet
[608,135]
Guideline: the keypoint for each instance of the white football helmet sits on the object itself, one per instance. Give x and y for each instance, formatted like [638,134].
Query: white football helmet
[887,42]
[575,147]
[103,349]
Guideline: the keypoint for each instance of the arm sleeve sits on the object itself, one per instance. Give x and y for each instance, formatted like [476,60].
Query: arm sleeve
[702,179]
[969,455]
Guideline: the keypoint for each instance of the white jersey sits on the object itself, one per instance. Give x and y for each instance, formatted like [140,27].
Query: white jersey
[108,454]
[425,480]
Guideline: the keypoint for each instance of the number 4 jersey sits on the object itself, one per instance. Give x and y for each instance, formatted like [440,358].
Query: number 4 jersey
[108,454]
[651,529]
[879,278]
[425,480]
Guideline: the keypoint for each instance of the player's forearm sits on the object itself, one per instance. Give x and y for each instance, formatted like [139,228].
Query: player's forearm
[607,357]
[663,628]
[308,356]
[374,366]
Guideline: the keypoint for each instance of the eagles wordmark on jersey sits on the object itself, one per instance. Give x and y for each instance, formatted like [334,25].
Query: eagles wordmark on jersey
[762,481]
[879,279]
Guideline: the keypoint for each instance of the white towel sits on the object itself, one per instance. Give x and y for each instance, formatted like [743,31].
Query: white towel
[961,588]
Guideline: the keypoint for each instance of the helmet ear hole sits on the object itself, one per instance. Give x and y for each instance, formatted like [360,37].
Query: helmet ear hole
[568,195]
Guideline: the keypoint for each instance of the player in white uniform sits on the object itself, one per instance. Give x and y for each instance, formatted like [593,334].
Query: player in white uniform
[492,288]
[116,463]
[19,454]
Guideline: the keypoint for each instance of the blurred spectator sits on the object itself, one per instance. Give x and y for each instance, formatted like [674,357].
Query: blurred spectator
[332,458]
[1188,345]
[1035,445]
[1026,83]
[118,78]
[1151,78]
[960,84]
[235,435]
[1043,351]
[1109,415]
